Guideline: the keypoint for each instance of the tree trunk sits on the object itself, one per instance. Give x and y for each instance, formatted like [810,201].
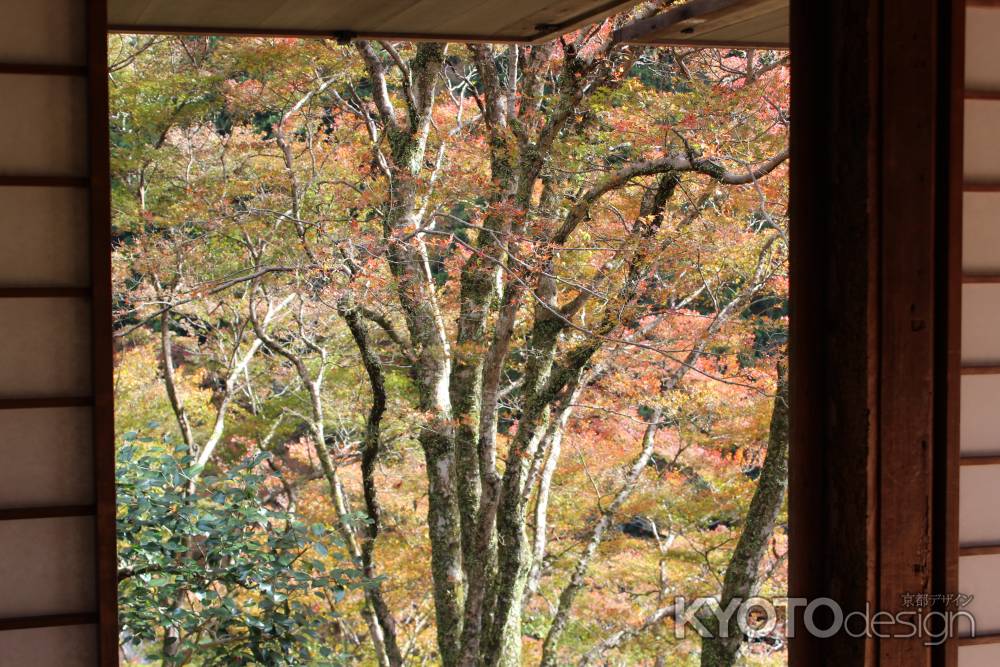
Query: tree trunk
[569,593]
[549,450]
[743,574]
[444,526]
[369,457]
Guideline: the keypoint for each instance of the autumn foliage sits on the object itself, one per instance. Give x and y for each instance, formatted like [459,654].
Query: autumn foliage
[485,337]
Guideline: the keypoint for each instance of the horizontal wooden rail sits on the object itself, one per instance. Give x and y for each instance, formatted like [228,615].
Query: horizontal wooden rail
[984,369]
[981,278]
[986,187]
[44,181]
[983,95]
[982,550]
[49,621]
[44,292]
[54,512]
[43,70]
[980,460]
[980,640]
[45,402]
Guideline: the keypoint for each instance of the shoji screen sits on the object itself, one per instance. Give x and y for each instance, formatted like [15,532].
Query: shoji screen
[979,486]
[56,511]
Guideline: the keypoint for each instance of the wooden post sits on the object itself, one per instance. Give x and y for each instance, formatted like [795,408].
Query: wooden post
[872,270]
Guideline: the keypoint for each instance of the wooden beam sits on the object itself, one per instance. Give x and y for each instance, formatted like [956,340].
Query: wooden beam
[984,369]
[695,10]
[715,24]
[984,550]
[968,461]
[982,95]
[44,292]
[985,187]
[42,403]
[43,181]
[980,640]
[43,70]
[48,621]
[980,278]
[54,512]
[549,31]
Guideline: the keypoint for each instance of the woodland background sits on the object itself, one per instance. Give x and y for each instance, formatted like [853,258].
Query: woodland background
[454,355]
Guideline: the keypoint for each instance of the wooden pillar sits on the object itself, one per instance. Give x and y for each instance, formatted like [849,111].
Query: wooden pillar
[57,514]
[833,346]
[872,203]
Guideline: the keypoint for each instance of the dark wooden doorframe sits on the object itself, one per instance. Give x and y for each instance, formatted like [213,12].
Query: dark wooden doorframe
[833,332]
[875,190]
[102,353]
[948,351]
[872,263]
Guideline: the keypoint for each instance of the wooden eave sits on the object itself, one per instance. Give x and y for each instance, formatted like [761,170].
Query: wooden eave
[521,21]
[715,23]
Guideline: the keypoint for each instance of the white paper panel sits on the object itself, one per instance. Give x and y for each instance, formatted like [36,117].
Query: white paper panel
[981,324]
[979,656]
[44,121]
[982,140]
[43,32]
[980,397]
[979,498]
[51,569]
[45,348]
[71,646]
[980,418]
[981,233]
[982,49]
[47,457]
[45,237]
[977,576]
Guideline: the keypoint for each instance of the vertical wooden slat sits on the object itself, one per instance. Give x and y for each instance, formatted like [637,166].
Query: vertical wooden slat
[920,120]
[101,334]
[947,455]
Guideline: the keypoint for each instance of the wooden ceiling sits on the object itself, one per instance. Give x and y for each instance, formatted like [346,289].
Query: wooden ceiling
[723,23]
[448,20]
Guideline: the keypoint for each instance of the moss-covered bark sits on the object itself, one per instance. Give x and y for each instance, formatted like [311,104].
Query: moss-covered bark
[443,524]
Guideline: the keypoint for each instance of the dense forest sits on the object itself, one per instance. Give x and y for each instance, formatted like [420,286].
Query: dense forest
[447,354]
